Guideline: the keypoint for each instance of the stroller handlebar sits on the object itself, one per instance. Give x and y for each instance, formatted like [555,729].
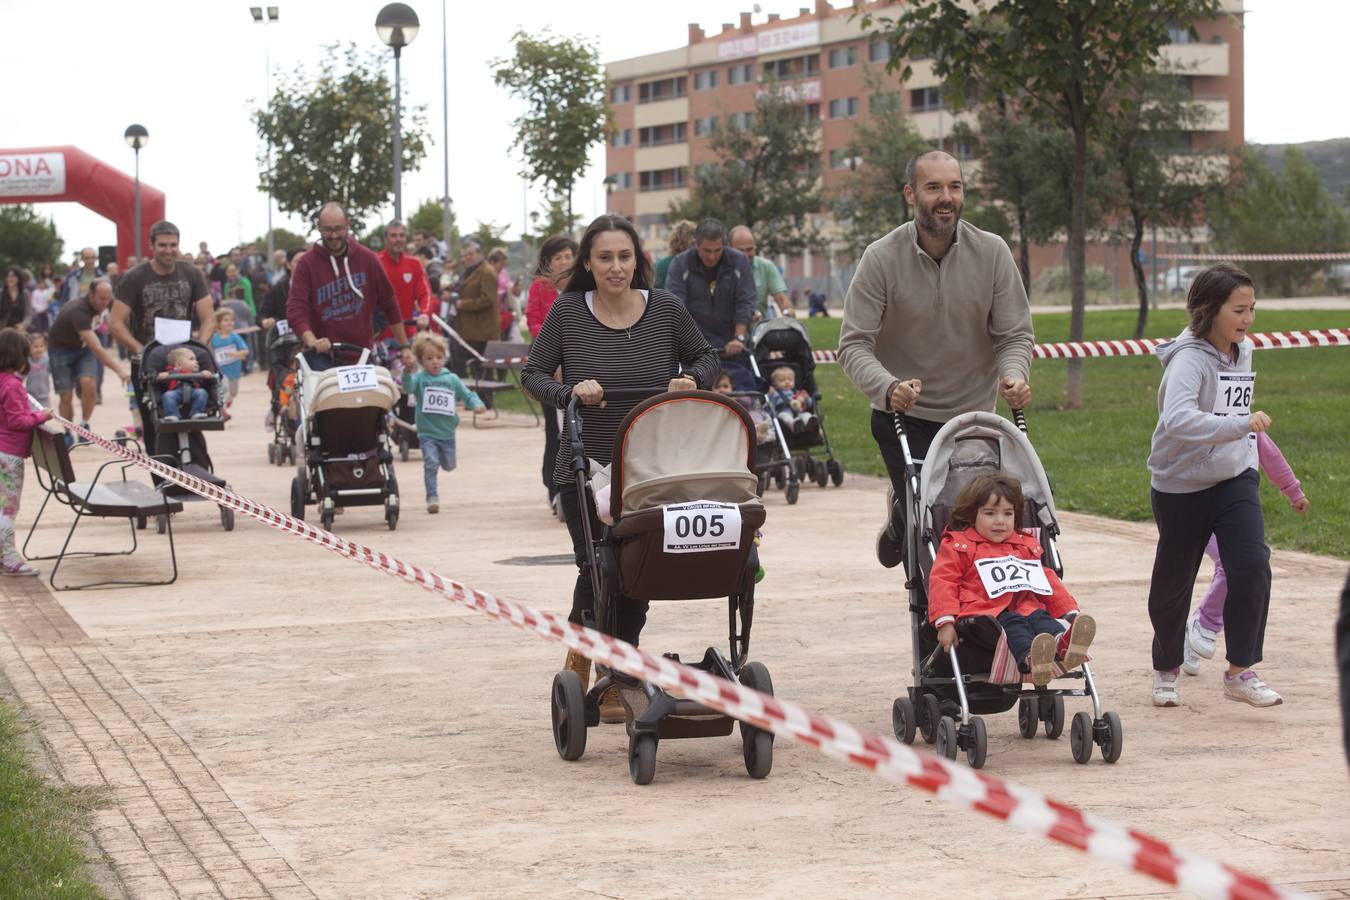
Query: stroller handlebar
[574,406]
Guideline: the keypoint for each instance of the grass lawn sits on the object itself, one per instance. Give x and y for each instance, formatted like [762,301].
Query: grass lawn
[40,850]
[1095,457]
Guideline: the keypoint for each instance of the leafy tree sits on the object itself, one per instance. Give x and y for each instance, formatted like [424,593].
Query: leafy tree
[564,88]
[282,239]
[332,137]
[430,216]
[489,234]
[767,176]
[27,240]
[1060,59]
[556,220]
[1292,212]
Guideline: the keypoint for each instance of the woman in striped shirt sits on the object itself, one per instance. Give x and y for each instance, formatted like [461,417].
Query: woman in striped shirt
[609,331]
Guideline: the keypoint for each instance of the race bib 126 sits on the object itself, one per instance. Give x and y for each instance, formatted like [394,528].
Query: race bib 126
[702,526]
[355,378]
[439,401]
[1234,394]
[1009,573]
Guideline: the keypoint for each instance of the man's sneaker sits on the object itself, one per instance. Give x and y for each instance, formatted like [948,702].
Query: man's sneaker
[200,415]
[1248,687]
[1165,691]
[1074,643]
[1041,660]
[890,544]
[1190,660]
[1200,639]
[19,570]
[433,507]
[170,418]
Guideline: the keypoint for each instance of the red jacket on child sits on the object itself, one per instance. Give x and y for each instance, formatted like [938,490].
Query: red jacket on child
[956,590]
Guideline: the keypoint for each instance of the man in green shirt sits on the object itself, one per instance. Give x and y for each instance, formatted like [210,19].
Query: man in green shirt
[768,280]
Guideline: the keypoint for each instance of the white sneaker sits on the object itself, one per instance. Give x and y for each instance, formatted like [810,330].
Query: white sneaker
[1248,687]
[1200,639]
[1190,662]
[1165,691]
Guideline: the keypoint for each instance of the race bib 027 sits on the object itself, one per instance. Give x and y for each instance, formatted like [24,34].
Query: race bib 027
[355,378]
[702,526]
[1003,574]
[438,401]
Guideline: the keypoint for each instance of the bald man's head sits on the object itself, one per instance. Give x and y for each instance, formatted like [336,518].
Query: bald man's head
[743,239]
[918,166]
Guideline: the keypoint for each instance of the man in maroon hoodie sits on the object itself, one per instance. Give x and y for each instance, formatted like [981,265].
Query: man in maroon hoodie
[336,286]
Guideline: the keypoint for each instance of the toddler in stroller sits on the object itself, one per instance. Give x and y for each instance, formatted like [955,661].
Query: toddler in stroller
[182,361]
[284,413]
[793,407]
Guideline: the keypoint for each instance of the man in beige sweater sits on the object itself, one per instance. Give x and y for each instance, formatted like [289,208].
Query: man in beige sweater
[936,323]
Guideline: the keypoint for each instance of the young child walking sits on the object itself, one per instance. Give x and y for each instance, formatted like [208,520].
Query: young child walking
[438,393]
[988,577]
[17,421]
[1204,484]
[230,352]
[39,379]
[1202,631]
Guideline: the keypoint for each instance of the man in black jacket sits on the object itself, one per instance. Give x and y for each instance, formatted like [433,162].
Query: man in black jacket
[717,286]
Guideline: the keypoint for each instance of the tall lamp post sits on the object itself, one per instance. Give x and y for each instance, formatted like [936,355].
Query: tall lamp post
[272,14]
[397,26]
[137,137]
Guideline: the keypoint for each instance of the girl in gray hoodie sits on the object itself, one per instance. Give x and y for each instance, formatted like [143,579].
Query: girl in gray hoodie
[1204,477]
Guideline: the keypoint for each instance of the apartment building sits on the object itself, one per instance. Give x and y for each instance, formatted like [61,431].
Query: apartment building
[667,104]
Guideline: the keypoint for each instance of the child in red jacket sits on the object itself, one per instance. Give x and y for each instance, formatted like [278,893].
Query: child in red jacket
[986,568]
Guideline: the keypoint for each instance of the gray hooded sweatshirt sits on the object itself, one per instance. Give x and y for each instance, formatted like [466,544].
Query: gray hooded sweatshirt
[1194,448]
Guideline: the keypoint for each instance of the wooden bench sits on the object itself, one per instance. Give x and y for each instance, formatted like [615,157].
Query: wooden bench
[135,501]
[499,357]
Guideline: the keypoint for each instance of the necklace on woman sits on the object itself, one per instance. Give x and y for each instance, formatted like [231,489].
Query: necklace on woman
[627,329]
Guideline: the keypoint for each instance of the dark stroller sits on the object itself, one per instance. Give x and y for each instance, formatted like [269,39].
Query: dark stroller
[282,348]
[686,457]
[182,443]
[944,692]
[787,459]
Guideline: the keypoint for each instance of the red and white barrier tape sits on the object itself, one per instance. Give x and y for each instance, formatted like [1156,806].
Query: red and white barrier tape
[1020,807]
[1255,257]
[1273,340]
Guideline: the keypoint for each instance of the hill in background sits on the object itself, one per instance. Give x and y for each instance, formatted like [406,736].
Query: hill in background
[1330,158]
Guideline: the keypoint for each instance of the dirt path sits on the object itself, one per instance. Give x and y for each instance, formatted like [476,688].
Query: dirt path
[284,723]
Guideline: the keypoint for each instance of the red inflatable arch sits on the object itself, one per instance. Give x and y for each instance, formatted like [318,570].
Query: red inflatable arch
[56,174]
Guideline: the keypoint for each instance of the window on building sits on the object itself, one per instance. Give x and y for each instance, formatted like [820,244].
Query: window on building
[882,103]
[705,127]
[652,220]
[878,52]
[742,74]
[843,57]
[661,179]
[1178,34]
[658,135]
[740,121]
[621,138]
[811,113]
[621,93]
[963,150]
[706,81]
[843,107]
[623,181]
[842,159]
[795,67]
[925,99]
[662,89]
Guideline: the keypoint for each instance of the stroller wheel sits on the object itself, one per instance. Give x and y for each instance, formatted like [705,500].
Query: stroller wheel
[272,454]
[780,476]
[140,523]
[793,489]
[391,514]
[977,743]
[569,715]
[297,498]
[763,483]
[1054,716]
[1113,738]
[642,758]
[930,712]
[326,517]
[946,738]
[1027,719]
[836,470]
[1080,737]
[756,743]
[227,518]
[820,473]
[904,719]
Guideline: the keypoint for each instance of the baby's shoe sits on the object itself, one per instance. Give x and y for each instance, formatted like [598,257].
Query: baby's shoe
[170,418]
[1247,687]
[1041,660]
[1074,643]
[1165,691]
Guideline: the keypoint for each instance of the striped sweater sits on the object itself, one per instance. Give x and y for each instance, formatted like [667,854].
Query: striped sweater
[662,343]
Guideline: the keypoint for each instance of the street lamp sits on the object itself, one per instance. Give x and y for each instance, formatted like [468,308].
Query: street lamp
[397,26]
[272,14]
[137,137]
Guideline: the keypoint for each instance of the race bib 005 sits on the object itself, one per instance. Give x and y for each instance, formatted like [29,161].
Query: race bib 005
[1009,573]
[438,401]
[702,526]
[355,378]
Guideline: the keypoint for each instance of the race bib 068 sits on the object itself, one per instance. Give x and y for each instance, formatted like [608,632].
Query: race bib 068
[439,401]
[355,378]
[702,526]
[1009,573]
[225,356]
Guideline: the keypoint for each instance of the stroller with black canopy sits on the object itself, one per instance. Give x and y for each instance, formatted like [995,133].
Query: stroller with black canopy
[684,508]
[950,691]
[282,348]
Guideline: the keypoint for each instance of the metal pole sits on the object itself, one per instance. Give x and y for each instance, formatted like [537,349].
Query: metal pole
[1155,265]
[445,122]
[267,98]
[137,239]
[398,138]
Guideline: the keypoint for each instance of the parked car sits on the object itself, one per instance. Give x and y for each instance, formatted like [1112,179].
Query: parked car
[1177,280]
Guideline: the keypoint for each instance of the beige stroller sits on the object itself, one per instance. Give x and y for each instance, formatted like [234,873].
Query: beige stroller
[685,512]
[345,457]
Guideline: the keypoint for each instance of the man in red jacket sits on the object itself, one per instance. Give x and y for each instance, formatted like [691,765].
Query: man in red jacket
[336,287]
[407,276]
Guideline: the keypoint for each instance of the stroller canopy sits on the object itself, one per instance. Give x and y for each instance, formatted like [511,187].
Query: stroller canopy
[783,340]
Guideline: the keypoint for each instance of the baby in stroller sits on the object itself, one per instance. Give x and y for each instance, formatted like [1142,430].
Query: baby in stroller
[793,407]
[987,580]
[182,361]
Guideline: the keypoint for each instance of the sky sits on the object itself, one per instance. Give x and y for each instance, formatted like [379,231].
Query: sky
[80,71]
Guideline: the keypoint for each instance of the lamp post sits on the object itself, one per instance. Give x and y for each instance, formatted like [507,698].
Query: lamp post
[397,26]
[445,126]
[272,14]
[137,137]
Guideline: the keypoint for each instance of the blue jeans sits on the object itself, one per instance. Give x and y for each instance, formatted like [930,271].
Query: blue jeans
[436,454]
[1021,630]
[171,401]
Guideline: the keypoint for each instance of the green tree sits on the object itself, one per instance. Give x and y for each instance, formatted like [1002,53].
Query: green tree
[282,239]
[27,240]
[567,112]
[430,216]
[555,220]
[1060,59]
[489,234]
[767,176]
[332,137]
[1292,212]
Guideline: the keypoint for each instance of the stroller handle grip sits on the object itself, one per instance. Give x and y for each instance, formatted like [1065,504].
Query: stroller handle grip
[574,418]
